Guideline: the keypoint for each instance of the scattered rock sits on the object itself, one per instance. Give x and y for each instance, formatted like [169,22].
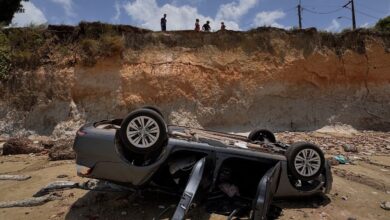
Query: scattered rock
[47,144]
[21,146]
[351,218]
[62,176]
[62,150]
[338,130]
[385,205]
[350,148]
[345,198]
[333,162]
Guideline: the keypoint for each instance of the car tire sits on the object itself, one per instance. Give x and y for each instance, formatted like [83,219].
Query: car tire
[154,109]
[261,135]
[143,131]
[305,161]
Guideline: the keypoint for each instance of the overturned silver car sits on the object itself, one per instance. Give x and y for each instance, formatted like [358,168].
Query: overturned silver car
[142,151]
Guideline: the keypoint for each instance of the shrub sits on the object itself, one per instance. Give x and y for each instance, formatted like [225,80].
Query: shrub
[26,45]
[5,62]
[383,24]
[106,45]
[111,45]
[90,48]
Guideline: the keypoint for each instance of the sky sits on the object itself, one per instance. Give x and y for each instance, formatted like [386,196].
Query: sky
[181,14]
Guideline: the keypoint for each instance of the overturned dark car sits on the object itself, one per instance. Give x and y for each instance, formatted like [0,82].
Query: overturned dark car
[143,152]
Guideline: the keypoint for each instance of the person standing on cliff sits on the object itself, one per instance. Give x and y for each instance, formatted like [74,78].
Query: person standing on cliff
[223,27]
[164,23]
[197,25]
[206,27]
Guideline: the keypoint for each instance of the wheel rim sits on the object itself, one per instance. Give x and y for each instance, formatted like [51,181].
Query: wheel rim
[143,132]
[307,162]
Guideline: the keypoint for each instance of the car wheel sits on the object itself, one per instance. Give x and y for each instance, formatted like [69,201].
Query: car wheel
[154,109]
[143,131]
[261,135]
[305,161]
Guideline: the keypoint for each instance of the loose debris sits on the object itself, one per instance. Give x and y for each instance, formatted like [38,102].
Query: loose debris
[35,201]
[48,193]
[14,177]
[56,186]
[341,159]
[62,150]
[350,148]
[385,205]
[58,149]
[360,178]
[21,146]
[92,184]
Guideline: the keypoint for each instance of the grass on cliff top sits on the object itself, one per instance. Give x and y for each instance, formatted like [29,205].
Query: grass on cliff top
[28,48]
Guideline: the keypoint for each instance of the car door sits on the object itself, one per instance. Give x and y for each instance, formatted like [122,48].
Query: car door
[191,189]
[265,192]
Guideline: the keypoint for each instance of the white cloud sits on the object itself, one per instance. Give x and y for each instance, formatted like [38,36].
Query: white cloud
[117,15]
[31,15]
[269,18]
[67,5]
[366,25]
[148,14]
[233,11]
[334,26]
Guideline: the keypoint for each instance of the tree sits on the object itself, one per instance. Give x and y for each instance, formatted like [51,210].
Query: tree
[383,24]
[8,8]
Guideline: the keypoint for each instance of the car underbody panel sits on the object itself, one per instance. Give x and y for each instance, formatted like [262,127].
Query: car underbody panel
[201,165]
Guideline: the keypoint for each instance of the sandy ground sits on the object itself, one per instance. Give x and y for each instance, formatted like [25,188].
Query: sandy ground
[358,190]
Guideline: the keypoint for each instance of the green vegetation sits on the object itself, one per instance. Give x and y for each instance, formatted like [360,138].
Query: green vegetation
[28,48]
[5,63]
[104,46]
[383,25]
[8,9]
[25,45]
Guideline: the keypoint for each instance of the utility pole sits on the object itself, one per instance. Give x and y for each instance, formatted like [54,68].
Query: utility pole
[299,15]
[353,13]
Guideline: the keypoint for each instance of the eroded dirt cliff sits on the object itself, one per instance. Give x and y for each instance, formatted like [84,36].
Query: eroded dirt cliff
[270,78]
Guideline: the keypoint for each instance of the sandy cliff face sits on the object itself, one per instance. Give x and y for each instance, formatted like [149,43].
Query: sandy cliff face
[271,79]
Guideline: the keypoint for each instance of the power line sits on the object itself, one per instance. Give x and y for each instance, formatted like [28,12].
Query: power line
[322,13]
[368,15]
[372,9]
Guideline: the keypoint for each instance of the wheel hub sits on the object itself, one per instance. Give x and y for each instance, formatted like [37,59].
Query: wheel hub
[307,162]
[143,131]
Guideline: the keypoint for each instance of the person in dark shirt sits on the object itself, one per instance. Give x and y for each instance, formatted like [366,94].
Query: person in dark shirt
[206,27]
[197,25]
[223,27]
[164,23]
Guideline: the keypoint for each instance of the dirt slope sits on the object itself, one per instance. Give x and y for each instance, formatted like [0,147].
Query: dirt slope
[300,80]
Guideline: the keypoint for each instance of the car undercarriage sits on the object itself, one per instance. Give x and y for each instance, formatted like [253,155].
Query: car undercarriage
[204,167]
